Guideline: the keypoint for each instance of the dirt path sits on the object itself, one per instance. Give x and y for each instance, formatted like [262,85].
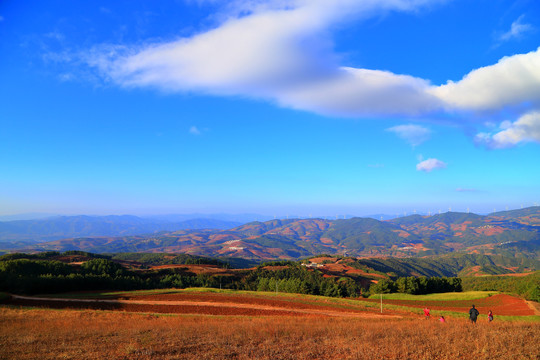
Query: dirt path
[176,303]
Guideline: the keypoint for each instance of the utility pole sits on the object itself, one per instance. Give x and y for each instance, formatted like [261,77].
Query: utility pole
[381,303]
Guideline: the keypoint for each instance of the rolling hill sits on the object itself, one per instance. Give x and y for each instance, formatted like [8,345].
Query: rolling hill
[294,238]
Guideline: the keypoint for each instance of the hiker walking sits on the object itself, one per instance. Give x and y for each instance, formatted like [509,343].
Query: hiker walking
[426,312]
[490,316]
[473,314]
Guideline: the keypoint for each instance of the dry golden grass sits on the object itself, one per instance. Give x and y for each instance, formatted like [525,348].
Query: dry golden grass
[72,334]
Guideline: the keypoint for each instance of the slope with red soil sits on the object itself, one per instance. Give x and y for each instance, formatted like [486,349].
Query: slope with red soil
[500,304]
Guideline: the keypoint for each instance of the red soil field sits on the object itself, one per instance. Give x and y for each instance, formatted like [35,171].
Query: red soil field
[243,304]
[500,305]
[207,304]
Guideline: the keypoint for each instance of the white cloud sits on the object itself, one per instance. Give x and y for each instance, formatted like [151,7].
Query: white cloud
[517,29]
[525,129]
[194,130]
[413,134]
[430,165]
[282,51]
[361,92]
[513,81]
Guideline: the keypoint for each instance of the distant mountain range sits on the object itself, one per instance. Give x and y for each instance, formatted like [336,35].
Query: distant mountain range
[61,227]
[509,233]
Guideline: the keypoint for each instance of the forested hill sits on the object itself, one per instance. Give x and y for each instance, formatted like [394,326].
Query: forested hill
[528,216]
[322,275]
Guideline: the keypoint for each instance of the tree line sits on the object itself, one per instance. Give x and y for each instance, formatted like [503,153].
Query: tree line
[417,285]
[526,286]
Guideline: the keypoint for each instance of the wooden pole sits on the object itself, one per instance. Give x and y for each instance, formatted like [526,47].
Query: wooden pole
[381,303]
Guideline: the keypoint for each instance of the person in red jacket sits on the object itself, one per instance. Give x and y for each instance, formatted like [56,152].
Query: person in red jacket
[426,312]
[490,316]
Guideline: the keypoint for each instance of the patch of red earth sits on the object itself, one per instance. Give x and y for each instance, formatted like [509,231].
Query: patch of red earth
[165,309]
[500,304]
[363,273]
[516,274]
[475,271]
[511,268]
[454,245]
[460,227]
[209,304]
[402,233]
[229,299]
[157,267]
[490,230]
[196,269]
[327,241]
[272,251]
[222,237]
[440,226]
[338,269]
[481,247]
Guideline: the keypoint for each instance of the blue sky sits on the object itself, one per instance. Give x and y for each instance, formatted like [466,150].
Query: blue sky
[274,107]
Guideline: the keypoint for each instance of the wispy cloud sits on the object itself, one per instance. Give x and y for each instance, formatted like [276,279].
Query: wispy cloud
[430,165]
[282,51]
[194,130]
[105,10]
[517,29]
[413,134]
[466,190]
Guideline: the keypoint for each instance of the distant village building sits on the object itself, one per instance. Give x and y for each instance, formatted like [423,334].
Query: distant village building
[313,265]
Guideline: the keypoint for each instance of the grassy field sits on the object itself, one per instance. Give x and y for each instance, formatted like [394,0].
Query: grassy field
[72,334]
[36,333]
[468,295]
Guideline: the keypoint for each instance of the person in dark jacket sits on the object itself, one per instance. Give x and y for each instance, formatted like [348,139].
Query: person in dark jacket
[473,314]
